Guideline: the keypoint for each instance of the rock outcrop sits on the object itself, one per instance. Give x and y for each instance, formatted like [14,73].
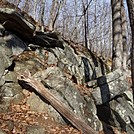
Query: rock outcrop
[72,73]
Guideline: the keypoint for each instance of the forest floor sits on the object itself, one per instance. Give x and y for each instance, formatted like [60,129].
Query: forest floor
[21,120]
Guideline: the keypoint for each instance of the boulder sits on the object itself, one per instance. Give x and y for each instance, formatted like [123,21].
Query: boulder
[65,91]
[44,40]
[118,112]
[107,87]
[5,53]
[16,45]
[16,23]
[84,67]
[19,24]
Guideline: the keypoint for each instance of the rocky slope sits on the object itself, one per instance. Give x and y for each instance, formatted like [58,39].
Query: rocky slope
[74,75]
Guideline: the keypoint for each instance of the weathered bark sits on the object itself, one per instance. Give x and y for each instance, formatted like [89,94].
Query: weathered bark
[34,10]
[26,6]
[54,13]
[117,34]
[57,104]
[95,25]
[41,16]
[130,4]
[124,38]
[85,24]
[76,21]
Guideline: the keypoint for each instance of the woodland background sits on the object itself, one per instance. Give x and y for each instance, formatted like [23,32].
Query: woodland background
[86,22]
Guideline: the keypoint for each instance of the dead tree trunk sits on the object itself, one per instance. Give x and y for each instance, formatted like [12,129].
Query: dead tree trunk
[85,24]
[41,15]
[130,4]
[57,104]
[34,10]
[117,34]
[54,13]
[124,38]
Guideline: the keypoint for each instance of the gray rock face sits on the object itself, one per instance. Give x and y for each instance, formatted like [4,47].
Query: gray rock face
[36,104]
[5,62]
[56,81]
[75,75]
[119,113]
[108,88]
[13,21]
[20,24]
[66,92]
[9,87]
[35,130]
[113,98]
[83,67]
[2,132]
[14,43]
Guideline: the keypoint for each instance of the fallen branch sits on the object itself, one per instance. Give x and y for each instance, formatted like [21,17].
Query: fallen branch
[58,105]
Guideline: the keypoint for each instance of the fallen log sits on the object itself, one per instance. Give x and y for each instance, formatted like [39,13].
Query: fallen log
[57,104]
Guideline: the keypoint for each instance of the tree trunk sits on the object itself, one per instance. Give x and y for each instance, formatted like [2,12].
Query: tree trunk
[130,4]
[124,38]
[76,22]
[26,6]
[41,16]
[54,13]
[85,23]
[85,28]
[117,34]
[18,2]
[34,10]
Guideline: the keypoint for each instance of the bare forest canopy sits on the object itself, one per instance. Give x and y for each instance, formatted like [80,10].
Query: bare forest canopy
[87,22]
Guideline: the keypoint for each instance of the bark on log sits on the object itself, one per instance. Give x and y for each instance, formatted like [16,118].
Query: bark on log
[57,104]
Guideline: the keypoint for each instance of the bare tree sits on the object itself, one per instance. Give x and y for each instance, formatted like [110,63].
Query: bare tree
[42,10]
[26,6]
[76,20]
[85,23]
[34,10]
[117,34]
[54,12]
[18,2]
[124,38]
[130,4]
